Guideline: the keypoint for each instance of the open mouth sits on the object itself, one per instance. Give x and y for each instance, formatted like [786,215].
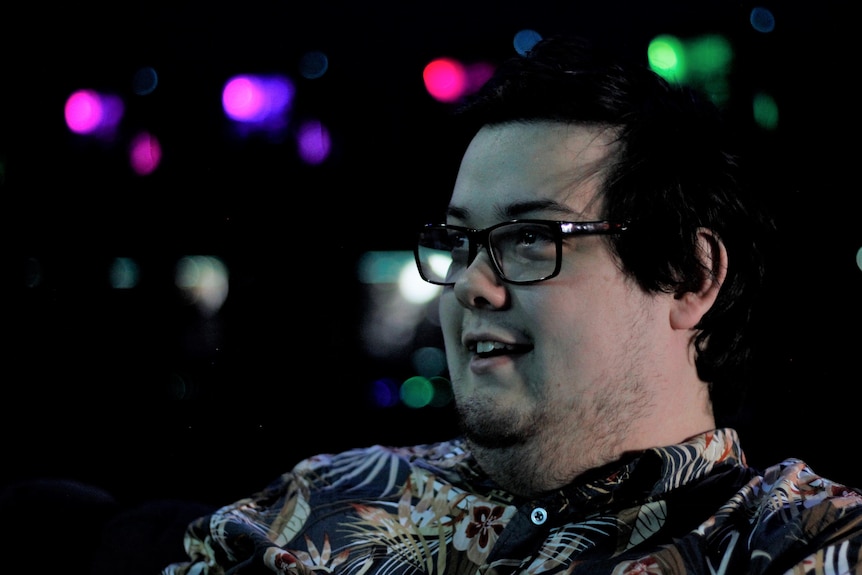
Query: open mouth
[495,348]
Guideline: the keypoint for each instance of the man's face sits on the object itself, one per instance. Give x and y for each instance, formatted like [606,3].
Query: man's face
[571,375]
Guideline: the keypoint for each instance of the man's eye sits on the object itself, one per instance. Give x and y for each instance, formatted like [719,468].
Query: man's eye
[528,237]
[458,241]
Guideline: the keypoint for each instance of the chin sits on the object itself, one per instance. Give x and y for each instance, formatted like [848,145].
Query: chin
[486,424]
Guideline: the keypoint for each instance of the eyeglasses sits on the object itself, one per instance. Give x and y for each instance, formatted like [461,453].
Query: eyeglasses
[521,251]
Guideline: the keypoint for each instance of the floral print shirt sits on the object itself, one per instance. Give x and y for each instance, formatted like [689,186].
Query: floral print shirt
[689,508]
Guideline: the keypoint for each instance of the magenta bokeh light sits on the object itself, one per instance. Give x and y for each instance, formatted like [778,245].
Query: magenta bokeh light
[88,112]
[313,142]
[83,111]
[145,154]
[257,99]
[445,79]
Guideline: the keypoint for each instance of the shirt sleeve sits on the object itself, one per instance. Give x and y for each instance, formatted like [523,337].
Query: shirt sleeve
[250,530]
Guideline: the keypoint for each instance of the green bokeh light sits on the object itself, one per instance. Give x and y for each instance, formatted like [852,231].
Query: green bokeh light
[765,111]
[417,392]
[709,54]
[702,62]
[666,56]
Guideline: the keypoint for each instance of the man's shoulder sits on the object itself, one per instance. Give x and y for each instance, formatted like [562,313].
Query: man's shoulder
[792,483]
[794,506]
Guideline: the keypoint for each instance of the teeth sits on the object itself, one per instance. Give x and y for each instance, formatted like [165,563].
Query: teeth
[489,346]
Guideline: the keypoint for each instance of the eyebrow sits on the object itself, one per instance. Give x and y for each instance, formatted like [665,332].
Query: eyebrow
[519,209]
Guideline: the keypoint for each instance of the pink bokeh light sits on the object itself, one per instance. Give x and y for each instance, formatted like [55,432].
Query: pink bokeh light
[89,112]
[145,154]
[445,79]
[257,99]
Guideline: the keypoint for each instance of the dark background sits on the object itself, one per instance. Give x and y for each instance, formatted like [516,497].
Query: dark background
[89,372]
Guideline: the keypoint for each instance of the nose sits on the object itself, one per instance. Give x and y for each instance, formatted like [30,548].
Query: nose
[479,286]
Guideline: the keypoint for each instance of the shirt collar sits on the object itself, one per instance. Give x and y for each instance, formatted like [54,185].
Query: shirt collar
[653,472]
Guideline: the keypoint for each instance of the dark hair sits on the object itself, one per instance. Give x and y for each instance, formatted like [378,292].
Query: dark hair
[673,173]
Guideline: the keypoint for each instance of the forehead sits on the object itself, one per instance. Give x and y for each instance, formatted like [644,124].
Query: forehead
[536,163]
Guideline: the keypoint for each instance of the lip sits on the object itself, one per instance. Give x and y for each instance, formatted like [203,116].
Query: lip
[485,365]
[507,350]
[470,339]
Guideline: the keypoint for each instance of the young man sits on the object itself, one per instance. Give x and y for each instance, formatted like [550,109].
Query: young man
[601,261]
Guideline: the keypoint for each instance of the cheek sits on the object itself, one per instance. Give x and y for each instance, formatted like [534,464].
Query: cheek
[449,313]
[582,321]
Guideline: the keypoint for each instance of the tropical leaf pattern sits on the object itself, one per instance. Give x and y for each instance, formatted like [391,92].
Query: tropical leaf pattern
[693,508]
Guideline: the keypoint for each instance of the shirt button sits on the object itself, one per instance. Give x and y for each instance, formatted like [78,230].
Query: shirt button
[539,516]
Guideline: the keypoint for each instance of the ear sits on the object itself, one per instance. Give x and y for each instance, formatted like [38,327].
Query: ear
[688,307]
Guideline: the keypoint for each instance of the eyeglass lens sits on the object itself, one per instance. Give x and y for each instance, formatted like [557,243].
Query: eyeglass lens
[521,251]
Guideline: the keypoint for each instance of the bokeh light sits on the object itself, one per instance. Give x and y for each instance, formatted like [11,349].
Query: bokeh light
[477,74]
[313,64]
[385,392]
[83,111]
[203,281]
[703,62]
[525,40]
[445,79]
[313,142]
[765,110]
[442,392]
[396,301]
[258,100]
[145,154]
[429,361]
[92,113]
[124,273]
[762,19]
[417,392]
[666,56]
[412,287]
[144,81]
[708,55]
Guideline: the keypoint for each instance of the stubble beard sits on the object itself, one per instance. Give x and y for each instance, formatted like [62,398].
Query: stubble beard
[506,444]
[533,452]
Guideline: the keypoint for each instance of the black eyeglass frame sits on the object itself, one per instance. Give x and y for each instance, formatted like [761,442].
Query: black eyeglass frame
[559,229]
